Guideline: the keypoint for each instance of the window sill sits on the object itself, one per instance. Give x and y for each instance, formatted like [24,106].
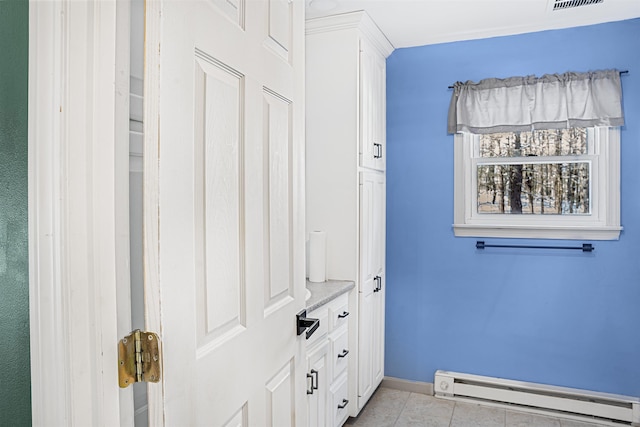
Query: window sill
[537,232]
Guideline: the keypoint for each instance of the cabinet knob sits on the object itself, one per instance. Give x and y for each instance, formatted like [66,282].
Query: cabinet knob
[344,353]
[343,315]
[344,404]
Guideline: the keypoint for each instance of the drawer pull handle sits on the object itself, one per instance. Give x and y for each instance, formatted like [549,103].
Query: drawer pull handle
[377,150]
[343,315]
[314,384]
[378,281]
[344,353]
[344,404]
[310,390]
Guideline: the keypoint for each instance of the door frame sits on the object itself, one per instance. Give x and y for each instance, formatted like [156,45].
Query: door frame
[151,193]
[78,210]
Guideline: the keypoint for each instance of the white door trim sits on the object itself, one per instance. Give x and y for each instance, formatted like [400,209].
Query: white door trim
[151,218]
[78,208]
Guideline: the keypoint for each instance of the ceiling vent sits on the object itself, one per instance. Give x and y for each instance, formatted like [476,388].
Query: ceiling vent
[568,4]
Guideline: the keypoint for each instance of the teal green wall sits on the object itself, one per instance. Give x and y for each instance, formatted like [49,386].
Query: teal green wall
[15,379]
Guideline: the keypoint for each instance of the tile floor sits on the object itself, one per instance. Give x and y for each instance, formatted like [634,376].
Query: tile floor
[396,408]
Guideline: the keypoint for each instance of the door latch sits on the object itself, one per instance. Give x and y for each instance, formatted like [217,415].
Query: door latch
[139,358]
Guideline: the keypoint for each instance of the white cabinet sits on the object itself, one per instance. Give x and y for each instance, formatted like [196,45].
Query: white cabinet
[345,177]
[328,356]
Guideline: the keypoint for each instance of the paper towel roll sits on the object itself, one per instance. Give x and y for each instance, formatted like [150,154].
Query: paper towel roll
[317,256]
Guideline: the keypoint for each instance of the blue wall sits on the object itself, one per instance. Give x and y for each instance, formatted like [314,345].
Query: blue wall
[555,317]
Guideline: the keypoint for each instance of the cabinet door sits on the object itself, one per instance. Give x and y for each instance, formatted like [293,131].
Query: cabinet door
[372,227]
[366,114]
[378,261]
[317,384]
[370,343]
[371,286]
[339,402]
[369,220]
[379,115]
[372,107]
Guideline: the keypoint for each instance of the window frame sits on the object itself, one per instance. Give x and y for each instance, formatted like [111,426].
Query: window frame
[603,223]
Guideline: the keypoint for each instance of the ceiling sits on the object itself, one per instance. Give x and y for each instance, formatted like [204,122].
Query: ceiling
[419,22]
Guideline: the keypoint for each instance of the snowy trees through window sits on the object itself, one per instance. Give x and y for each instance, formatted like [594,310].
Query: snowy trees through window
[557,183]
[539,172]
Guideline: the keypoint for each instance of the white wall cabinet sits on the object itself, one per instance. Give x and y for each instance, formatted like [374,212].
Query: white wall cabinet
[328,357]
[345,177]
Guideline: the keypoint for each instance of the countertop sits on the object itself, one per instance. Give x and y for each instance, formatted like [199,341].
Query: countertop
[323,292]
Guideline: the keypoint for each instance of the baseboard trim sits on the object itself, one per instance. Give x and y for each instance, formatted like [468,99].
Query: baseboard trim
[407,385]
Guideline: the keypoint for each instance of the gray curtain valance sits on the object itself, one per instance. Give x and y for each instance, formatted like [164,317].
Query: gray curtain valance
[553,101]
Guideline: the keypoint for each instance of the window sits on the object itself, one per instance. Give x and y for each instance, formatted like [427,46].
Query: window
[543,172]
[557,184]
[538,157]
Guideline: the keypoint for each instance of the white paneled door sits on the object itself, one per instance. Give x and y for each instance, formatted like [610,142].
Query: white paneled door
[224,219]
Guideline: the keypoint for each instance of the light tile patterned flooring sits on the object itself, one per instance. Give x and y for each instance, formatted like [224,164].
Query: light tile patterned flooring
[396,408]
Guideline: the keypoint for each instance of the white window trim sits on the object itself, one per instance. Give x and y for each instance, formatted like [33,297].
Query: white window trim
[602,224]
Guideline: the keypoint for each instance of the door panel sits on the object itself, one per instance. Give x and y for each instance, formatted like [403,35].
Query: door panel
[229,229]
[366,105]
[219,191]
[277,138]
[367,235]
[239,419]
[379,266]
[232,9]
[280,31]
[279,391]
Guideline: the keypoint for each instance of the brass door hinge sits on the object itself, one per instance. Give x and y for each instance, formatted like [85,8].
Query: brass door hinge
[139,358]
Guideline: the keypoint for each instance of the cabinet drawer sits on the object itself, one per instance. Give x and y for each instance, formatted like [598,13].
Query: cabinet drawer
[338,313]
[340,351]
[321,313]
[339,401]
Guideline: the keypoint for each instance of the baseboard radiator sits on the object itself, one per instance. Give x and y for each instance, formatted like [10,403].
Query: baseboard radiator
[555,401]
